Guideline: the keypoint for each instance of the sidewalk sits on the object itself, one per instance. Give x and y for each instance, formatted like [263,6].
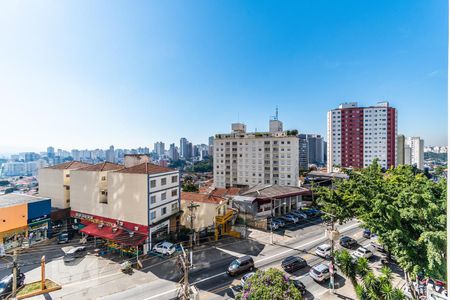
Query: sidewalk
[345,292]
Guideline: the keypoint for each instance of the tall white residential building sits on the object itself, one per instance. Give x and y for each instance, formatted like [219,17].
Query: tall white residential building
[357,135]
[417,146]
[407,160]
[247,159]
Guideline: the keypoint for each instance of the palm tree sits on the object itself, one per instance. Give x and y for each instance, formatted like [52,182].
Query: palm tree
[345,262]
[362,267]
[386,275]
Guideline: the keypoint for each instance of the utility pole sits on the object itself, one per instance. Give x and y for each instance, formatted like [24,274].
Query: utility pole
[14,287]
[184,264]
[191,208]
[332,255]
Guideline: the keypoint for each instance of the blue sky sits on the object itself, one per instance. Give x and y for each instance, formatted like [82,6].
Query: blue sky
[87,74]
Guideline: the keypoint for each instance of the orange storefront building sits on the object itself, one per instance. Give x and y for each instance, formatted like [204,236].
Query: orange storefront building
[13,224]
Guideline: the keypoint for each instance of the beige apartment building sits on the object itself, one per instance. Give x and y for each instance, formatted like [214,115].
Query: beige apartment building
[54,182]
[246,159]
[143,200]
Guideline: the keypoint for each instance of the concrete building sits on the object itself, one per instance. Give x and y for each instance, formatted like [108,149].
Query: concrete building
[417,151]
[138,206]
[130,160]
[400,149]
[184,148]
[357,135]
[110,154]
[24,220]
[266,200]
[54,183]
[303,152]
[173,153]
[159,148]
[246,159]
[315,149]
[211,145]
[407,157]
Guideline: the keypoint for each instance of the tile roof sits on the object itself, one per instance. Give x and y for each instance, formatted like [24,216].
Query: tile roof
[269,191]
[70,165]
[104,166]
[146,168]
[232,191]
[203,198]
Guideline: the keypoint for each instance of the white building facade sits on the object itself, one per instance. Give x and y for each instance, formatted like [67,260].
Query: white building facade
[246,159]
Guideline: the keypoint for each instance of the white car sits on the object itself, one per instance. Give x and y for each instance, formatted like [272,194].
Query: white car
[164,248]
[246,277]
[362,252]
[320,272]
[324,251]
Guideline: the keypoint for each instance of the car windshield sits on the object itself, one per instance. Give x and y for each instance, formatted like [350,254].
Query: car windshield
[315,271]
[234,264]
[4,283]
[323,248]
[64,235]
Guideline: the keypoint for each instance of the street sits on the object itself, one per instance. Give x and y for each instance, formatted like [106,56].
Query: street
[96,277]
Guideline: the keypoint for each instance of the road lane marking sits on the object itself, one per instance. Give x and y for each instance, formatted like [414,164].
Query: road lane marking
[266,258]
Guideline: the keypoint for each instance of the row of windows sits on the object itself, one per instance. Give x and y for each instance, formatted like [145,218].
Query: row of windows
[174,193]
[174,179]
[174,208]
[254,143]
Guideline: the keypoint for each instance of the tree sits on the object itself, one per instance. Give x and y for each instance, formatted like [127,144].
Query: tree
[270,284]
[345,263]
[190,187]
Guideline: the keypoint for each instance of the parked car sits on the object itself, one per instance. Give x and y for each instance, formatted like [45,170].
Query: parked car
[362,252]
[376,244]
[280,222]
[246,277]
[74,253]
[290,218]
[299,214]
[7,282]
[347,242]
[64,237]
[299,285]
[367,234]
[311,213]
[164,248]
[241,265]
[320,272]
[324,251]
[292,263]
[273,225]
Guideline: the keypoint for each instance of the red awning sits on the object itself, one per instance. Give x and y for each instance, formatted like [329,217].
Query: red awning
[120,236]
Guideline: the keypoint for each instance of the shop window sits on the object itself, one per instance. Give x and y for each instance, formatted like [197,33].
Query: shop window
[152,183]
[174,179]
[174,192]
[163,211]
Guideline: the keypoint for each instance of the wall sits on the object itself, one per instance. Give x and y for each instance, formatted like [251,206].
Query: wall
[39,209]
[13,217]
[126,200]
[51,185]
[205,214]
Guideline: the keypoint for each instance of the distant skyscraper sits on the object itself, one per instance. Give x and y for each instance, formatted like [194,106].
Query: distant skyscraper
[110,154]
[400,149]
[183,147]
[315,149]
[211,146]
[359,135]
[50,152]
[159,148]
[303,152]
[417,155]
[173,152]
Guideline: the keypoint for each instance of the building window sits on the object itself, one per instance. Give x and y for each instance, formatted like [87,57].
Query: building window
[67,175]
[163,181]
[153,183]
[163,196]
[174,179]
[153,199]
[103,178]
[163,211]
[153,215]
[174,207]
[174,192]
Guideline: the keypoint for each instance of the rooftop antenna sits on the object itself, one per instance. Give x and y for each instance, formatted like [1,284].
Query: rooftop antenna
[276,113]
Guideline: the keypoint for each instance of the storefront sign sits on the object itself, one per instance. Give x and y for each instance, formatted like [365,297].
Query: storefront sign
[159,226]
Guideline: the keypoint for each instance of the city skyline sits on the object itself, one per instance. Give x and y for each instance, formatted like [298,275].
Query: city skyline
[125,76]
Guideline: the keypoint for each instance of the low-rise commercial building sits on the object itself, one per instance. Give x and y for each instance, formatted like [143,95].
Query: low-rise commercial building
[24,220]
